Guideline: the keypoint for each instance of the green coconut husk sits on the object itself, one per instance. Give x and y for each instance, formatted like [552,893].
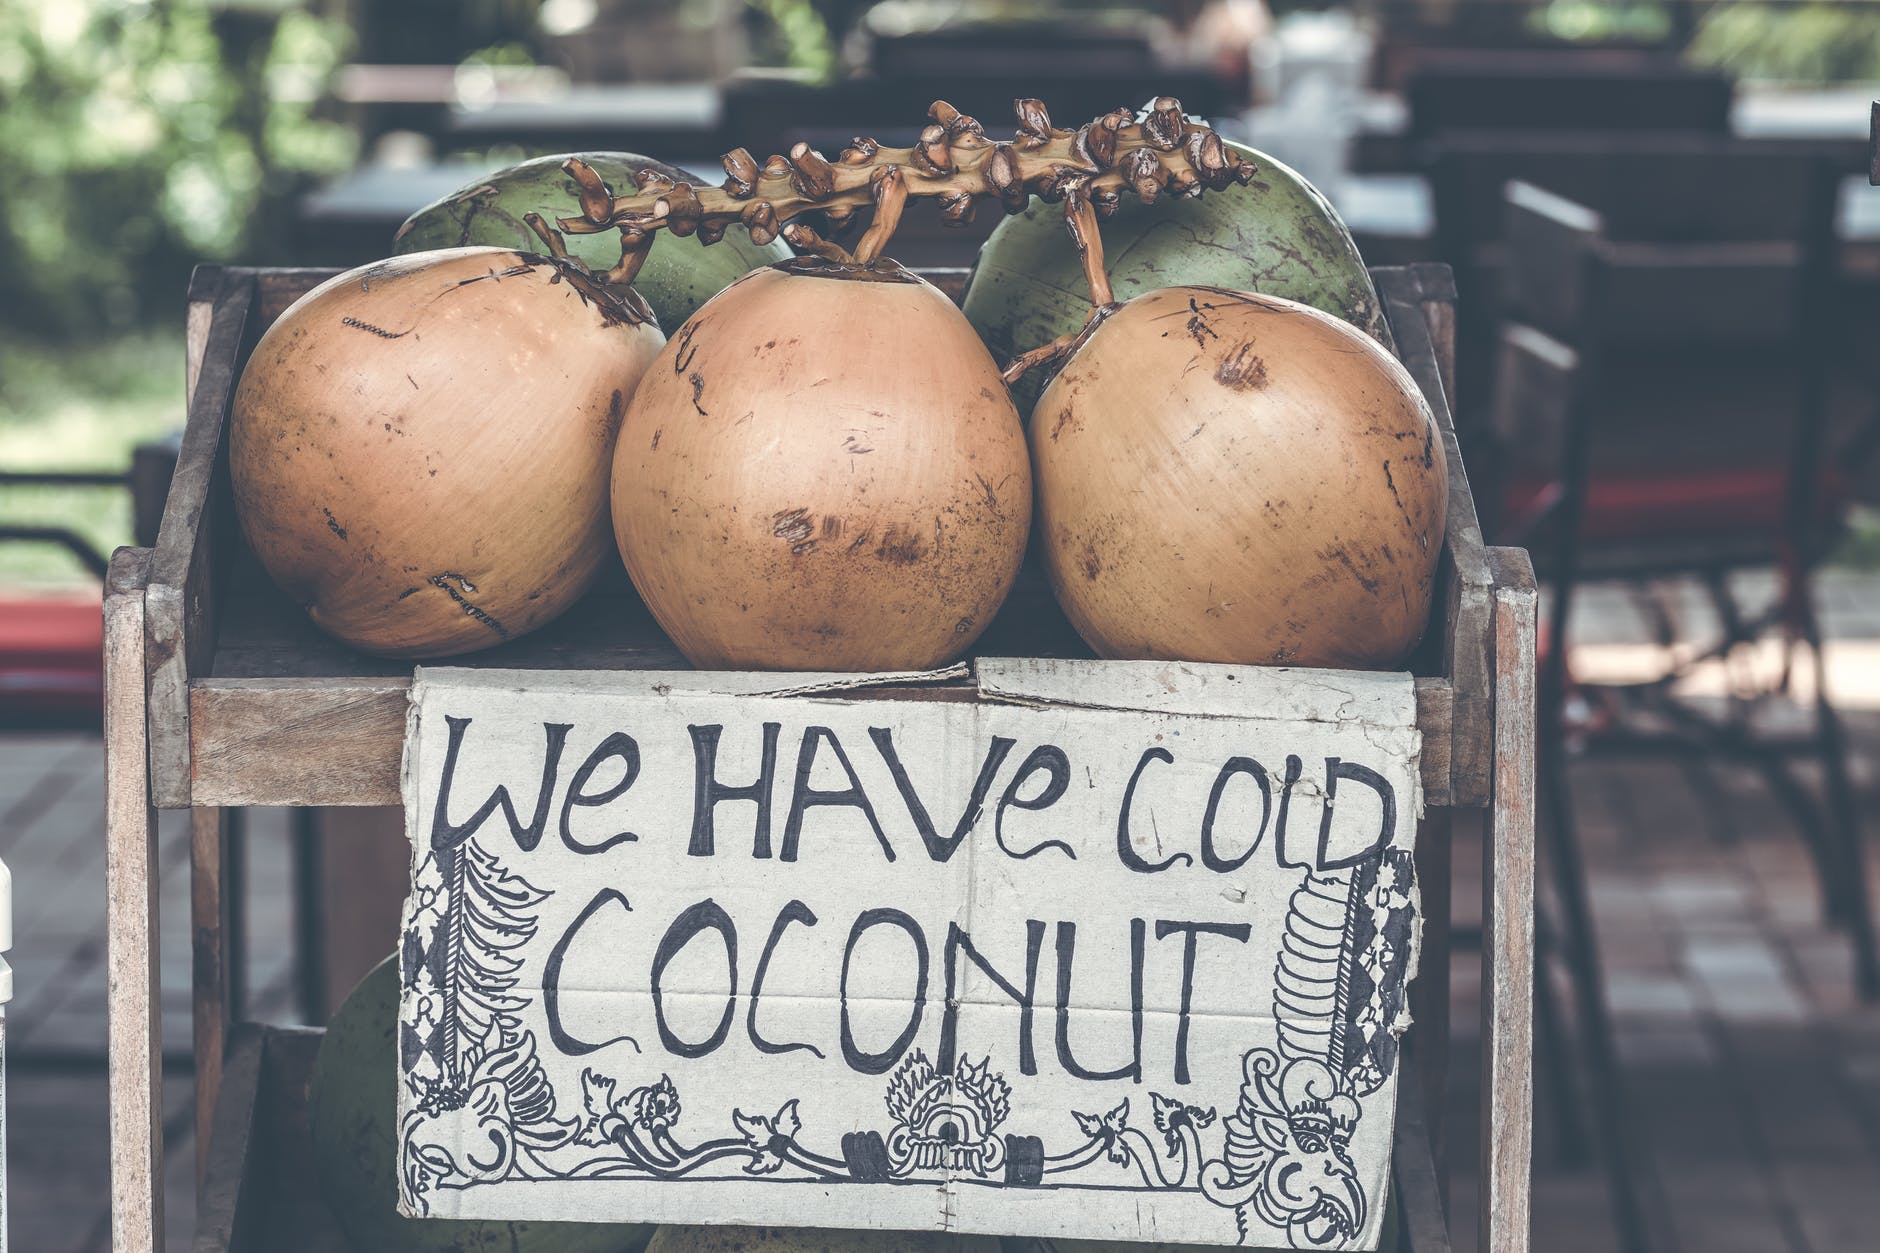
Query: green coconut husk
[1276,235]
[677,277]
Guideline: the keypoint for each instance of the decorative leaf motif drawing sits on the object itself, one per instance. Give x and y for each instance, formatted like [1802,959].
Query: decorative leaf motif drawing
[767,1137]
[1171,1116]
[1108,1128]
[487,916]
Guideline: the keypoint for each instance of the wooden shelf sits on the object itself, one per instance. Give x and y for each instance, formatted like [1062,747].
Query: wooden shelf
[220,694]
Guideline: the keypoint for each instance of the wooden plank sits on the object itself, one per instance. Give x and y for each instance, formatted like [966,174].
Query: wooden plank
[225,1211]
[1429,994]
[1436,283]
[1436,704]
[277,288]
[1873,145]
[1417,1180]
[1508,917]
[181,600]
[136,1025]
[339,741]
[297,741]
[204,286]
[208,968]
[1464,576]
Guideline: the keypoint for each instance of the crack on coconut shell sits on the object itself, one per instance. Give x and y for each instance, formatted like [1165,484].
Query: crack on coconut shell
[880,270]
[443,581]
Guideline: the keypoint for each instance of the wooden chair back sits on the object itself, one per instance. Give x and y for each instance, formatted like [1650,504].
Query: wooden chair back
[1463,89]
[1691,355]
[1749,201]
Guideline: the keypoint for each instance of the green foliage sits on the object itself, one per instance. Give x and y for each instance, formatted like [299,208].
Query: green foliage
[82,407]
[797,35]
[1806,43]
[1582,21]
[139,136]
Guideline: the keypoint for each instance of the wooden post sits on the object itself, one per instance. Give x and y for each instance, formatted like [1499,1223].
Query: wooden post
[208,977]
[136,1023]
[1508,916]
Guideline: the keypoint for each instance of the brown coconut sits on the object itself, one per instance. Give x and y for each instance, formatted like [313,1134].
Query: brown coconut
[420,448]
[1238,478]
[823,471]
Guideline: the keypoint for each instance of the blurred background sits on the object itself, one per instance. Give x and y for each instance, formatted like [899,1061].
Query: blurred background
[1683,442]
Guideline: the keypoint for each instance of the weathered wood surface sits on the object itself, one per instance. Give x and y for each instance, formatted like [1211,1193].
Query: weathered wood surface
[204,286]
[136,1023]
[1464,579]
[1429,997]
[1418,1182]
[197,528]
[208,927]
[339,741]
[1508,917]
[228,1196]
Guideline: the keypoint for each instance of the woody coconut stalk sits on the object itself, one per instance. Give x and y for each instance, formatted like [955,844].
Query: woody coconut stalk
[824,469]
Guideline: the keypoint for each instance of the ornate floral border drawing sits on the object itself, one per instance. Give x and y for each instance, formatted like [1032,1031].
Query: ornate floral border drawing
[1276,1152]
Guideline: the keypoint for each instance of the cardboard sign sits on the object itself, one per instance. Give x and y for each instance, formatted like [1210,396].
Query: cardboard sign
[1085,950]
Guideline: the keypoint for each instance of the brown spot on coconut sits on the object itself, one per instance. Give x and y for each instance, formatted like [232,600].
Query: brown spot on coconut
[1170,471]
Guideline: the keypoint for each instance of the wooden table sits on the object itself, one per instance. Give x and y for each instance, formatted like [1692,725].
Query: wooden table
[220,695]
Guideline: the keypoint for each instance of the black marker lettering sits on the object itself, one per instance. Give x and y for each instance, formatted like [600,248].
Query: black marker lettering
[618,745]
[1191,932]
[793,911]
[445,835]
[879,1063]
[707,791]
[706,915]
[803,796]
[938,848]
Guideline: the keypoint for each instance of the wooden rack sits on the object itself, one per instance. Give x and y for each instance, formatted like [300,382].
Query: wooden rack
[219,694]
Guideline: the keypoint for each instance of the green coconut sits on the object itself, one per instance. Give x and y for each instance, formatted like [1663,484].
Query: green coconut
[352,1112]
[1277,235]
[679,275]
[813,1240]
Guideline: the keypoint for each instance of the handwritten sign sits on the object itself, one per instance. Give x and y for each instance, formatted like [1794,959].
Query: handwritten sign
[1080,950]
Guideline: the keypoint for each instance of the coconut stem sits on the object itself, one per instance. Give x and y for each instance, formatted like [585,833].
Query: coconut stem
[1080,218]
[805,240]
[1048,354]
[953,160]
[890,192]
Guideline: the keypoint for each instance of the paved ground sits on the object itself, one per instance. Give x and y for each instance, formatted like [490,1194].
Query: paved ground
[1753,1073]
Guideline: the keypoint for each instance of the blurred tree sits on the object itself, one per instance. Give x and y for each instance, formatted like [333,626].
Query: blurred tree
[140,136]
[1797,43]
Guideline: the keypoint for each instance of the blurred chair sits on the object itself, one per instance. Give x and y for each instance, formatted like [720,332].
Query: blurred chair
[1523,89]
[52,643]
[1650,185]
[1706,288]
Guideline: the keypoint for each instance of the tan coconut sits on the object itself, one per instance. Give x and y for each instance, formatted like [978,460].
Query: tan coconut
[420,448]
[1238,478]
[823,471]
